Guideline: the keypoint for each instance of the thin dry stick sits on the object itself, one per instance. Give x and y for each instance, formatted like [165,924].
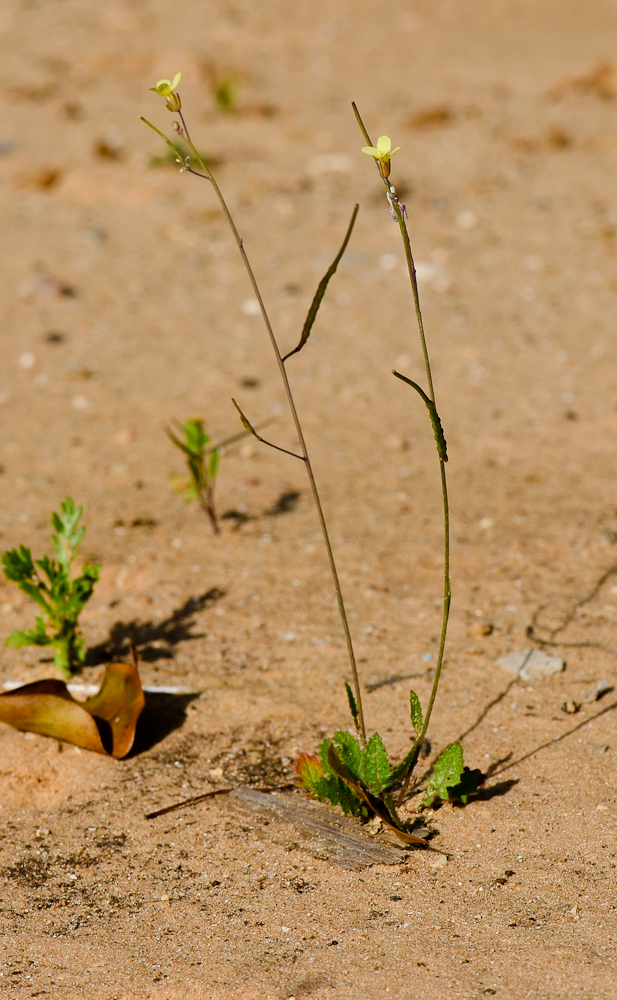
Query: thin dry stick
[398,214]
[184,133]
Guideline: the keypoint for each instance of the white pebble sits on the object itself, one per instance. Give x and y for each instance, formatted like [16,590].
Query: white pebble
[250,307]
[27,360]
[388,261]
[466,220]
[428,270]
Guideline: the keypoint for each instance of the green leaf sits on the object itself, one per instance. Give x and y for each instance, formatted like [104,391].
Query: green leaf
[30,636]
[321,289]
[416,712]
[83,585]
[337,793]
[375,772]
[195,436]
[312,777]
[37,592]
[69,537]
[18,565]
[353,708]
[174,149]
[309,771]
[333,789]
[70,519]
[449,765]
[213,463]
[60,599]
[52,570]
[349,751]
[245,421]
[442,448]
[447,776]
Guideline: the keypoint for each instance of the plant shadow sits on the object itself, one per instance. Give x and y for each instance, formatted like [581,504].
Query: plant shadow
[286,503]
[163,713]
[154,640]
[494,791]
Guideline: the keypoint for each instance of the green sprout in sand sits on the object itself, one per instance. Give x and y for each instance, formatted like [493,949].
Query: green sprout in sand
[60,598]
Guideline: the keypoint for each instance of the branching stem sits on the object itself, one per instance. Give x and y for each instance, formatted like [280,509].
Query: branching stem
[296,420]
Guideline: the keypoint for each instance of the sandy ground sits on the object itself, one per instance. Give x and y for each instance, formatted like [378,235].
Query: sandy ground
[124,304]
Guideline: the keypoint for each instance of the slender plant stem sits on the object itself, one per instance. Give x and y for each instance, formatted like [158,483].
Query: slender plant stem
[206,502]
[447,591]
[296,420]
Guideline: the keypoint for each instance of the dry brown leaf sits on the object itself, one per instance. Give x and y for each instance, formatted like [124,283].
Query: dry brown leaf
[105,723]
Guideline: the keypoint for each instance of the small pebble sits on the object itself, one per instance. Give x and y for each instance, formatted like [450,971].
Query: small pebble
[598,691]
[439,861]
[571,707]
[250,307]
[466,220]
[481,629]
[531,664]
[388,261]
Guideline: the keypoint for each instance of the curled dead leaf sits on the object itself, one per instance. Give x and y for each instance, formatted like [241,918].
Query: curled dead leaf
[105,723]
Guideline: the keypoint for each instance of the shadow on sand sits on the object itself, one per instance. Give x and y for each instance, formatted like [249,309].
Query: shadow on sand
[154,640]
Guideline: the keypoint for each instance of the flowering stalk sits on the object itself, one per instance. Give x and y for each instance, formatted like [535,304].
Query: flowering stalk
[382,153]
[167,89]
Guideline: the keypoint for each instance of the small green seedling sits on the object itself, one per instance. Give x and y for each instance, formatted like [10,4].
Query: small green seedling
[60,598]
[202,464]
[363,781]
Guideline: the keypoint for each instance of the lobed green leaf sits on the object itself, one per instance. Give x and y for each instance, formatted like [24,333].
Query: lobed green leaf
[375,769]
[349,751]
[36,636]
[309,772]
[18,565]
[447,774]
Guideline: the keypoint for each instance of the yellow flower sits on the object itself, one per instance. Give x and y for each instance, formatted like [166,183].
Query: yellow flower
[166,89]
[382,153]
